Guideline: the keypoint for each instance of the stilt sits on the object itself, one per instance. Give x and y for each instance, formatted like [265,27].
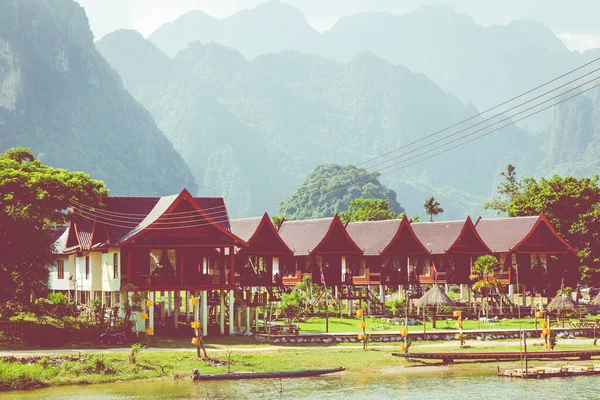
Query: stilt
[204,313]
[169,303]
[511,293]
[255,319]
[187,307]
[177,306]
[238,316]
[162,308]
[151,311]
[248,325]
[231,311]
[222,312]
[523,295]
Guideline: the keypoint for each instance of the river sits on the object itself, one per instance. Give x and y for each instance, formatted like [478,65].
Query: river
[410,383]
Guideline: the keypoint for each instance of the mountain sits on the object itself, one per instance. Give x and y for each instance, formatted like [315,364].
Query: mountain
[267,28]
[252,129]
[573,141]
[63,100]
[479,65]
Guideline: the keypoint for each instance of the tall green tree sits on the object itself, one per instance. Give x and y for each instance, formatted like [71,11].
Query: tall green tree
[432,207]
[508,189]
[33,199]
[362,209]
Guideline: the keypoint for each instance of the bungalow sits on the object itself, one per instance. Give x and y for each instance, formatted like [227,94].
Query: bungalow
[453,247]
[390,249]
[169,244]
[523,245]
[322,249]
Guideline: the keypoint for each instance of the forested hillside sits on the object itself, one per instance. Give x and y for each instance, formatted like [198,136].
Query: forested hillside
[59,97]
[247,128]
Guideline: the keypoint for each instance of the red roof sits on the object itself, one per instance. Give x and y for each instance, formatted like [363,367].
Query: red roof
[244,228]
[446,236]
[126,217]
[377,237]
[260,234]
[306,236]
[505,235]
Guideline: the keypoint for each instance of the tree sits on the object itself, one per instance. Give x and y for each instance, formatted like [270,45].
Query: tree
[507,191]
[573,207]
[362,209]
[432,207]
[484,275]
[330,188]
[33,198]
[277,220]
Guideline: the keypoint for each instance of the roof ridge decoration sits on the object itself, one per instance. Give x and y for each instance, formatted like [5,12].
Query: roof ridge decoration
[542,218]
[336,220]
[405,223]
[165,206]
[469,225]
[266,220]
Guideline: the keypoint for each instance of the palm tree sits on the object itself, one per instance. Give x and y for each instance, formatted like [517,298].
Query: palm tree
[485,275]
[432,207]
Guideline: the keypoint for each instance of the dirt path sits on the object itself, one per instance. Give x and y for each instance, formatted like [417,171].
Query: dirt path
[274,348]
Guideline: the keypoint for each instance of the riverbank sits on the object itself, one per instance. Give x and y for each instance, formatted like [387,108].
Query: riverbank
[42,368]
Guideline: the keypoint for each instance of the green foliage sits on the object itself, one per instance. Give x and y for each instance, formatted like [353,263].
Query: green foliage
[573,207]
[397,306]
[34,197]
[136,350]
[325,193]
[368,210]
[432,207]
[484,270]
[277,220]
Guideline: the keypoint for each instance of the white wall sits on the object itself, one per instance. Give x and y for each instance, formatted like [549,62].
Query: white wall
[59,284]
[109,282]
[82,283]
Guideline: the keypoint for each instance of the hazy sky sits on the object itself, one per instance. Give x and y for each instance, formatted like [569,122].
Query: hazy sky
[574,21]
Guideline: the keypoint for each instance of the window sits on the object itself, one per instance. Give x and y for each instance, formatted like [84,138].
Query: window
[60,268]
[115,265]
[162,262]
[87,267]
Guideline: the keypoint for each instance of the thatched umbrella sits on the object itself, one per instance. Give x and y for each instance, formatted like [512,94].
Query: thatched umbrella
[434,297]
[561,303]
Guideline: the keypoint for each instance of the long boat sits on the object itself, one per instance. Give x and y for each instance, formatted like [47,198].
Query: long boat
[302,373]
[550,372]
[502,355]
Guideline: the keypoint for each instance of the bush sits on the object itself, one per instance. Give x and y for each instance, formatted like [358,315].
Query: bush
[46,336]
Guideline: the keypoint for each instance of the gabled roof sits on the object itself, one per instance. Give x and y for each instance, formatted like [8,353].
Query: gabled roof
[124,218]
[444,237]
[379,237]
[305,237]
[506,235]
[258,230]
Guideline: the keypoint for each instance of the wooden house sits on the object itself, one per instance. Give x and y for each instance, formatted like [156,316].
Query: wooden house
[322,249]
[524,246]
[453,247]
[390,248]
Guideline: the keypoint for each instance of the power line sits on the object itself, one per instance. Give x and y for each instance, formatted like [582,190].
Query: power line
[460,123]
[468,141]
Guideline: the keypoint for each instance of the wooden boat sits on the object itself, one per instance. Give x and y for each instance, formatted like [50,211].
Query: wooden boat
[502,355]
[551,372]
[302,373]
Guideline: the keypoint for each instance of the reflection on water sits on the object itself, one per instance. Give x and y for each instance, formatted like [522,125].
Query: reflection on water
[477,383]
